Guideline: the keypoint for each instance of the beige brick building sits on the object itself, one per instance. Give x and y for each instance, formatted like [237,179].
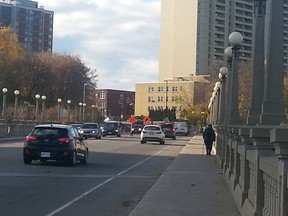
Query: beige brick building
[153,95]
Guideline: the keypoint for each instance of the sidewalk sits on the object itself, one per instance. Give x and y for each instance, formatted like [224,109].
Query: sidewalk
[193,185]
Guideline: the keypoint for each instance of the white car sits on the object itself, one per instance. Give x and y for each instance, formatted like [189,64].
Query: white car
[152,133]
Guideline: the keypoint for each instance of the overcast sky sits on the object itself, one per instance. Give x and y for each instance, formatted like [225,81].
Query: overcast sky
[119,38]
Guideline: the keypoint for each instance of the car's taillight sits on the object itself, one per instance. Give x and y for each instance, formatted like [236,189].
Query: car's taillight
[144,131]
[64,140]
[158,132]
[31,138]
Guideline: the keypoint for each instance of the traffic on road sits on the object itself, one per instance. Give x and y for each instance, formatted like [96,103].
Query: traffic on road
[119,172]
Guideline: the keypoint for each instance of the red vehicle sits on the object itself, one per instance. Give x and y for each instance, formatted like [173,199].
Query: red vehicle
[169,130]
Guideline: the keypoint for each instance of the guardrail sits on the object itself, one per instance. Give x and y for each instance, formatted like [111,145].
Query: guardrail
[12,129]
[255,164]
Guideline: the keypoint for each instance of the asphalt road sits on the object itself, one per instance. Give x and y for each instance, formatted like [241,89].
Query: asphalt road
[119,173]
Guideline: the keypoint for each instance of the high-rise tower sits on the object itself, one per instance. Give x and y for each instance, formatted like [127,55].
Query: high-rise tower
[194,34]
[32,24]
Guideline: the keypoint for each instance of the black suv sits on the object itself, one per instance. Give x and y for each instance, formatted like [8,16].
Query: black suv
[169,130]
[111,128]
[55,142]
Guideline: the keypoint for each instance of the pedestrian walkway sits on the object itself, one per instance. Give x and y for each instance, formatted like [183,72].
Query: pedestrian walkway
[192,185]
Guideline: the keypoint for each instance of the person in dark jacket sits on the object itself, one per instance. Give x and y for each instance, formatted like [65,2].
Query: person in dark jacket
[209,138]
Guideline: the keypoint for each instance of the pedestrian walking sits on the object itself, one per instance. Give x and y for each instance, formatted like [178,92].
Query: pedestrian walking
[209,138]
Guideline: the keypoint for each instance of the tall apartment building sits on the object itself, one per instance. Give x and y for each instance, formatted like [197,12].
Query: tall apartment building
[32,24]
[194,34]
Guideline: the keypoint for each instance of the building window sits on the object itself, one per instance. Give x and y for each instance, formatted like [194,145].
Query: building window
[151,89]
[150,99]
[160,89]
[174,89]
[160,99]
[121,96]
[121,105]
[102,95]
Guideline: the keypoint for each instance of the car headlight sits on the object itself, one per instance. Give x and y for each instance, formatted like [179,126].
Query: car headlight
[80,131]
[93,131]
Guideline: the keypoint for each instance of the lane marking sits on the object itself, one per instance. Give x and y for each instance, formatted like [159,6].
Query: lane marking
[101,184]
[73,176]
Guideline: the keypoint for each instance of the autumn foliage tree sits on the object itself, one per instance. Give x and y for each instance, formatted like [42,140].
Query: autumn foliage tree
[52,74]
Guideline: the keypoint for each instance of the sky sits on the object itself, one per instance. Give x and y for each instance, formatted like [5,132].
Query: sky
[118,38]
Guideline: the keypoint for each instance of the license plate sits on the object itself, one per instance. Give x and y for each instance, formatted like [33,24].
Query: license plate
[151,133]
[45,154]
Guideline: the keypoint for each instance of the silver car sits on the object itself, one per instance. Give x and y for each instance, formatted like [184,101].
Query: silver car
[152,133]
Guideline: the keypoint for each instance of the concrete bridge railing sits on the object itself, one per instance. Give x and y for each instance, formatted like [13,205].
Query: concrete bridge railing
[255,164]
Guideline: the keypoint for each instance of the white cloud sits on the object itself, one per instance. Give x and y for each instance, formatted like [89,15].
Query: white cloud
[119,38]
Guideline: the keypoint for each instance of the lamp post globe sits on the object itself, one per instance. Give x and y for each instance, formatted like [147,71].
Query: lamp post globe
[228,52]
[59,100]
[16,92]
[224,70]
[4,90]
[235,38]
[37,96]
[217,85]
[43,97]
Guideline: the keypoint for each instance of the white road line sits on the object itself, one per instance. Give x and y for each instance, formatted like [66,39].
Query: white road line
[101,184]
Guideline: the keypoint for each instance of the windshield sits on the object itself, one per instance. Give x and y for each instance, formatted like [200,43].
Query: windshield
[110,125]
[89,126]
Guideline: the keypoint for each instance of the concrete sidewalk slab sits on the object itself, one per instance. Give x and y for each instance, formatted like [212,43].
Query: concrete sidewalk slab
[192,185]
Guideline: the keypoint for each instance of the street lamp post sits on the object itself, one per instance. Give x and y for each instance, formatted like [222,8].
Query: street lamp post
[83,117]
[84,92]
[37,96]
[93,107]
[258,69]
[228,54]
[80,111]
[4,90]
[16,93]
[43,106]
[68,106]
[222,75]
[59,100]
[235,39]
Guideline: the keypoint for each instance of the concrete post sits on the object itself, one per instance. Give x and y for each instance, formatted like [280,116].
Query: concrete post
[257,81]
[273,103]
[279,138]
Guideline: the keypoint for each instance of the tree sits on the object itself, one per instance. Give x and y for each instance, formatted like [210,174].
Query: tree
[10,52]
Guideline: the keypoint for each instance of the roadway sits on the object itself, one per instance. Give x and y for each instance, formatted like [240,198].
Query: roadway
[119,173]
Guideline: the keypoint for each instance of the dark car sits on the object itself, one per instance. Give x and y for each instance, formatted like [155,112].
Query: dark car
[55,142]
[169,130]
[111,128]
[136,128]
[90,130]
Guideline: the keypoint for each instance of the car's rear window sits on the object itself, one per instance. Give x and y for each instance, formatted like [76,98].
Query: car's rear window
[110,125]
[152,128]
[89,126]
[49,132]
[167,126]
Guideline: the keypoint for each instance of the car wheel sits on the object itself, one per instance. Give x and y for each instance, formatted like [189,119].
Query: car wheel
[162,142]
[174,138]
[72,159]
[85,159]
[27,160]
[143,141]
